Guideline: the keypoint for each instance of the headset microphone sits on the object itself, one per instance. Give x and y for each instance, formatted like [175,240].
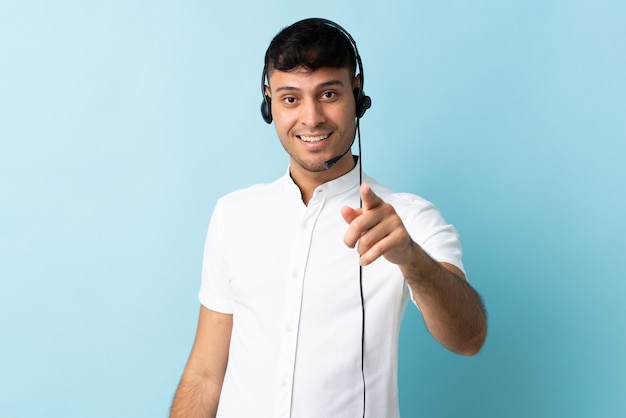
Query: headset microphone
[328,164]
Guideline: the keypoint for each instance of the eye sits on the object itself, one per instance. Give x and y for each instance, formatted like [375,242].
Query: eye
[329,95]
[289,100]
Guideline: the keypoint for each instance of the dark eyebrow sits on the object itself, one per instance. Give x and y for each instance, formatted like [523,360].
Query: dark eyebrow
[330,84]
[286,88]
[323,85]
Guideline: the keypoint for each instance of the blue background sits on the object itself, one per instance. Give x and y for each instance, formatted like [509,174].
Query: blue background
[122,122]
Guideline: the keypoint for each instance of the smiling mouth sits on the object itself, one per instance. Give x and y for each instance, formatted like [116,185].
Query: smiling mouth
[312,139]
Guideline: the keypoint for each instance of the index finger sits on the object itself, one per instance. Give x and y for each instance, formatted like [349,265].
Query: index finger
[368,197]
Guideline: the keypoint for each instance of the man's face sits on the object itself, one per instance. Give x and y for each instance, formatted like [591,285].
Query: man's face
[314,116]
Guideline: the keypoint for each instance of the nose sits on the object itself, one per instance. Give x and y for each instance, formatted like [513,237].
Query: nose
[312,114]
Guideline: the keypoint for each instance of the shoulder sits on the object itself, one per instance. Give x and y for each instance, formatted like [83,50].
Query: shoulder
[259,203]
[253,194]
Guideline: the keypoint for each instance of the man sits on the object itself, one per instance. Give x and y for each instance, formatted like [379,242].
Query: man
[303,290]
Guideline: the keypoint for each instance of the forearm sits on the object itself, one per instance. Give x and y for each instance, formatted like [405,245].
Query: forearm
[200,386]
[196,397]
[452,310]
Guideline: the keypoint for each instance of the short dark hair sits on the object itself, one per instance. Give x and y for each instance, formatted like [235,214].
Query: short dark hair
[310,44]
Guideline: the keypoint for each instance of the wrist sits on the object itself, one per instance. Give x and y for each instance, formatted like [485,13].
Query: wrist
[419,266]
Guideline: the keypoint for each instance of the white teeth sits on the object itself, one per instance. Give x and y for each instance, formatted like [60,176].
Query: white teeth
[313,138]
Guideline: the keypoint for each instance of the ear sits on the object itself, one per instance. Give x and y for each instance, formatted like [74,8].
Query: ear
[267,91]
[356,85]
[363,102]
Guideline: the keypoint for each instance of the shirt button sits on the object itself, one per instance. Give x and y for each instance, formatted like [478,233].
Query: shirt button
[283,383]
[305,225]
[289,328]
[294,275]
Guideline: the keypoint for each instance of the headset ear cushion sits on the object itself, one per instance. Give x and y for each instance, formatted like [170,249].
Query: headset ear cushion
[266,109]
[363,102]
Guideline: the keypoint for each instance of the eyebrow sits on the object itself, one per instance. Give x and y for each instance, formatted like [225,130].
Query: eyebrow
[323,85]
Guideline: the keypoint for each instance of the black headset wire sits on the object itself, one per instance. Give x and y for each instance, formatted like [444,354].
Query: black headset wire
[363,103]
[358,129]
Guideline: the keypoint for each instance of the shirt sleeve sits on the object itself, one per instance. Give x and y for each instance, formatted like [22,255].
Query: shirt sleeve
[215,290]
[441,239]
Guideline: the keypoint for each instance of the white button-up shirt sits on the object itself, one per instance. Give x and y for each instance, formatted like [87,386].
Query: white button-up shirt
[281,268]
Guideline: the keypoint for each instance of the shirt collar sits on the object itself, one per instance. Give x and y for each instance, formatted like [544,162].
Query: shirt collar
[331,188]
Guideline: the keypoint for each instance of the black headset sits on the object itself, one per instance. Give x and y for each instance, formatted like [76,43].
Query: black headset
[363,102]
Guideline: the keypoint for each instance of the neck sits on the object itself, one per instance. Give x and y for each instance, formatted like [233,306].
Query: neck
[308,181]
